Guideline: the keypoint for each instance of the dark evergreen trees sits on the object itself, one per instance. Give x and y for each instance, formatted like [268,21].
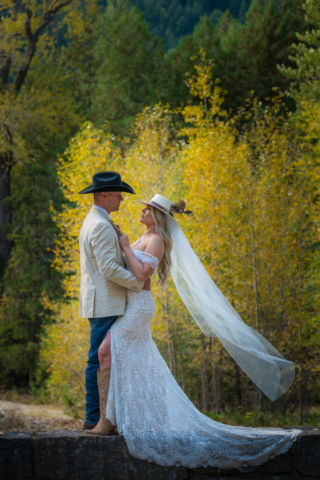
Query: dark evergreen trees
[31,282]
[172,19]
[129,62]
[244,56]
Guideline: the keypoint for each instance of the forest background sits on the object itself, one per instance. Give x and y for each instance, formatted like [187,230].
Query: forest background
[216,102]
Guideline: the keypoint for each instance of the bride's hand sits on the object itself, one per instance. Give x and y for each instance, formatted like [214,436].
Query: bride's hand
[124,241]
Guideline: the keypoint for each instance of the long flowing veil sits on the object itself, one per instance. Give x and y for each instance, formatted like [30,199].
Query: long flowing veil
[272,373]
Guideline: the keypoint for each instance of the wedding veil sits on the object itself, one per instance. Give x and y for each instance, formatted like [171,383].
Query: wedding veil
[272,373]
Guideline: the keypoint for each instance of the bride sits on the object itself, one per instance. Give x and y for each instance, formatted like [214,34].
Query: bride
[138,393]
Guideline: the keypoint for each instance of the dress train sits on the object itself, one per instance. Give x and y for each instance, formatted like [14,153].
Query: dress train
[156,418]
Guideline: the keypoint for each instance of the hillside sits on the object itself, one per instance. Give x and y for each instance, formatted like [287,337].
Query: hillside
[172,19]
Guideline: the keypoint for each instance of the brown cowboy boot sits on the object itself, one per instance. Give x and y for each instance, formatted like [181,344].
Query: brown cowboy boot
[104,427]
[88,426]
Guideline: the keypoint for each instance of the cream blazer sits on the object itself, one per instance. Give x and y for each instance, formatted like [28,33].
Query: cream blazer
[104,279]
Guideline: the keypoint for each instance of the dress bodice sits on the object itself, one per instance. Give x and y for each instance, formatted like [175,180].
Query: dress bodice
[144,257]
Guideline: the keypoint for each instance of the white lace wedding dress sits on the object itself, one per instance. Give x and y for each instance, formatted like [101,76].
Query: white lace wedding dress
[156,418]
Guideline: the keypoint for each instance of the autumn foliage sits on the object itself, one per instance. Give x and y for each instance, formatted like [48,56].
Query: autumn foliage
[247,165]
[254,228]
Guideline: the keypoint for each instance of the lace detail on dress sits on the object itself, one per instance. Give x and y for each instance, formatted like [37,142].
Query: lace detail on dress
[156,418]
[145,257]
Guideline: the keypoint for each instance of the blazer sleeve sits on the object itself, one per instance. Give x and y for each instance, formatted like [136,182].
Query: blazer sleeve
[104,248]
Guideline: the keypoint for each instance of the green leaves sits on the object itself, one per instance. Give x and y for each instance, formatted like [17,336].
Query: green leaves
[306,57]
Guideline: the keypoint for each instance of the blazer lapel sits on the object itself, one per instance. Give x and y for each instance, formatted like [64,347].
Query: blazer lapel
[115,230]
[105,215]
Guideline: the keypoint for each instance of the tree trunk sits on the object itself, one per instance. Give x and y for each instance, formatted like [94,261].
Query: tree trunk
[300,399]
[182,383]
[300,392]
[254,261]
[204,377]
[5,213]
[215,376]
[238,384]
[171,353]
[220,380]
[259,396]
[6,159]
[305,398]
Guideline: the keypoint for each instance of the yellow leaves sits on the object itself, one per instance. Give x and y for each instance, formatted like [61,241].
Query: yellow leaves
[65,350]
[89,151]
[13,26]
[201,83]
[150,166]
[80,20]
[252,196]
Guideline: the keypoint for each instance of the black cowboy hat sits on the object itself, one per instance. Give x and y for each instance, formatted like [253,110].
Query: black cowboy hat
[108,182]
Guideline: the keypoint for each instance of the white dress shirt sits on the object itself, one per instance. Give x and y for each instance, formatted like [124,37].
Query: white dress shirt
[103,210]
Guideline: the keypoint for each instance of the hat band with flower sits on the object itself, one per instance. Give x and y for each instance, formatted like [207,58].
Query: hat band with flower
[166,206]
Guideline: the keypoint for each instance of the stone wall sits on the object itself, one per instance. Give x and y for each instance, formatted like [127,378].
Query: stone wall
[69,455]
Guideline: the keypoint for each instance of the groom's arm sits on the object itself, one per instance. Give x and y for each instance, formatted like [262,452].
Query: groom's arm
[104,248]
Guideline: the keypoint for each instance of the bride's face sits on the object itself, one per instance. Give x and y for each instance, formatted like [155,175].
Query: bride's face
[146,217]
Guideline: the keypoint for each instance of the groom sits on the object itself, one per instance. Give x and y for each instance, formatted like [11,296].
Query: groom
[104,279]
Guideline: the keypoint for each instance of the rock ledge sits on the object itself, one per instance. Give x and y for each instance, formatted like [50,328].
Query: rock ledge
[69,455]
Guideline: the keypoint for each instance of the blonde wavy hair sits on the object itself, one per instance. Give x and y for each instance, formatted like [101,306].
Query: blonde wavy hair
[161,229]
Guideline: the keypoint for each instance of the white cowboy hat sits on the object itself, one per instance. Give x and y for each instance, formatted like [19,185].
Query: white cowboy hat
[161,203]
[166,206]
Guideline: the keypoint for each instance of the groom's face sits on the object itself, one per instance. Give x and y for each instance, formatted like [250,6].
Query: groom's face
[112,201]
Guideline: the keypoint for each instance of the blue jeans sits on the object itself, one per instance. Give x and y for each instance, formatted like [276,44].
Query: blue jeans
[99,327]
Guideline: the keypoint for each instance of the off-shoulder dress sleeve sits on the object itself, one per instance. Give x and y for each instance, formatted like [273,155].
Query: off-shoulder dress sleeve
[145,257]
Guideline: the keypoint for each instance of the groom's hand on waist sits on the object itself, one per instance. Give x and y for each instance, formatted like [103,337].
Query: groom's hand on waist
[147,285]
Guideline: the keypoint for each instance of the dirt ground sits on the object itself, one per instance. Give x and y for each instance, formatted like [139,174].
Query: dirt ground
[24,417]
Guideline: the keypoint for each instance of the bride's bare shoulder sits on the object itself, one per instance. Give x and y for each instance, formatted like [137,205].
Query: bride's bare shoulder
[155,239]
[155,246]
